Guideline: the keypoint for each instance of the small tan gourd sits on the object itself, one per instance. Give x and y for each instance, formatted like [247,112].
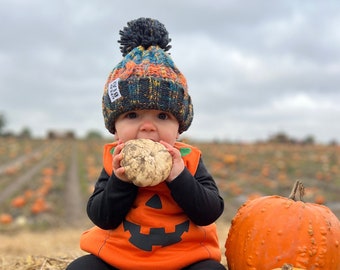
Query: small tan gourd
[146,163]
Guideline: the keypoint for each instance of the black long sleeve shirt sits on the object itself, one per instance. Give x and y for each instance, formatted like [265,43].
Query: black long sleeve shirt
[197,195]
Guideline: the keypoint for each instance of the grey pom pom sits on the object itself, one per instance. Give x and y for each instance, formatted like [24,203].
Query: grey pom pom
[144,32]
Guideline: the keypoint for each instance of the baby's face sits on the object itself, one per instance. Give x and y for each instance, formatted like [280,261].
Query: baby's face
[147,124]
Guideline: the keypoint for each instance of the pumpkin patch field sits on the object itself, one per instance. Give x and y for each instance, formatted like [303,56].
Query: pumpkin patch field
[45,184]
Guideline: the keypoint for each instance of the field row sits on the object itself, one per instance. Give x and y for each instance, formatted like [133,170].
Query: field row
[47,182]
[48,185]
[246,171]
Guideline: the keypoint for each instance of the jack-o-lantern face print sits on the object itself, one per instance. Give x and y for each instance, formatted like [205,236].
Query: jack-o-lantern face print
[156,236]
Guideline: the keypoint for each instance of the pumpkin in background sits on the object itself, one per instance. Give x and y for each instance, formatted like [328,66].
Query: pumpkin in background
[270,231]
[18,202]
[6,219]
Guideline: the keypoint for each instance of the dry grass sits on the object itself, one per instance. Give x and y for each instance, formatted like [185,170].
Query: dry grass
[35,263]
[27,250]
[53,249]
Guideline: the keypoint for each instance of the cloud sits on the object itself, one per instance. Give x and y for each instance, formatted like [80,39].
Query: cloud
[252,70]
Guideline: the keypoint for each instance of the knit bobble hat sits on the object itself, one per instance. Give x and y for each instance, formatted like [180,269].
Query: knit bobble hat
[146,78]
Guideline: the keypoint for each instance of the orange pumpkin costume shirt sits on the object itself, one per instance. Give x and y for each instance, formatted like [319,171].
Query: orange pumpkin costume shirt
[156,233]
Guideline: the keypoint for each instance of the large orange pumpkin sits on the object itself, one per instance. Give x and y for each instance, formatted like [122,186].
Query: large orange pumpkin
[272,230]
[287,266]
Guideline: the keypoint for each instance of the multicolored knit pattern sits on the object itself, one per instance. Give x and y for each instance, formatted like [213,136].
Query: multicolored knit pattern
[147,78]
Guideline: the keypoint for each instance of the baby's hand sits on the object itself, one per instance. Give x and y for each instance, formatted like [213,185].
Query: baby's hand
[118,170]
[177,161]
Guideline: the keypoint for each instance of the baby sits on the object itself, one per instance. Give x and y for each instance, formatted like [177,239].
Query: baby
[169,225]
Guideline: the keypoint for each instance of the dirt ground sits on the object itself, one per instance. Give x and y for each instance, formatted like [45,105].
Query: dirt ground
[53,249]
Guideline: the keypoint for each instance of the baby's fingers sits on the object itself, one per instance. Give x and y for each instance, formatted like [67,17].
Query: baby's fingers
[118,149]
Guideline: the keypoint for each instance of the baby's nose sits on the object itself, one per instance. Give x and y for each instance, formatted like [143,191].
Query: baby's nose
[148,125]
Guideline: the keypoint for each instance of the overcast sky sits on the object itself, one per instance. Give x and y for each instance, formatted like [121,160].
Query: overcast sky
[254,68]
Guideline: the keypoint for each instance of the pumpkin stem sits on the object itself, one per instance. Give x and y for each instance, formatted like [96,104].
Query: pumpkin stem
[298,187]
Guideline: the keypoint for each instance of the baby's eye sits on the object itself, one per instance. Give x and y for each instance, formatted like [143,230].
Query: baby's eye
[163,116]
[131,115]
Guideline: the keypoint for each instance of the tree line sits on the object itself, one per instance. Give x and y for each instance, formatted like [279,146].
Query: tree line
[279,137]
